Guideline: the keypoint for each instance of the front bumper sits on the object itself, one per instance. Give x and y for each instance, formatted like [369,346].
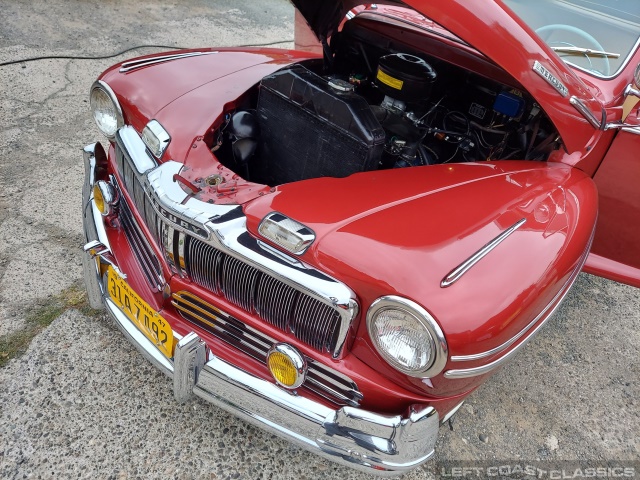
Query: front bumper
[380,444]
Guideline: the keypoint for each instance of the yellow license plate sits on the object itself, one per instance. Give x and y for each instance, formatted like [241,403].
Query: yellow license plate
[148,321]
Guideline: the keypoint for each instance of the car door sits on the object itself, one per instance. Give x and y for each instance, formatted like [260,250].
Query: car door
[615,253]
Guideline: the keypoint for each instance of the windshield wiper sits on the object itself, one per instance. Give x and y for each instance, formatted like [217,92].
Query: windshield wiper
[585,51]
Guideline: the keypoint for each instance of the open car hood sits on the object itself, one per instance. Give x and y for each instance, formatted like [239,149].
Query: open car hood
[495,31]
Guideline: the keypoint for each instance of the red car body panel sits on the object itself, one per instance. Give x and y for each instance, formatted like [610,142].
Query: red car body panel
[618,225]
[387,232]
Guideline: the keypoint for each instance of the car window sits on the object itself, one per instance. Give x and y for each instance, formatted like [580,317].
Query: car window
[597,36]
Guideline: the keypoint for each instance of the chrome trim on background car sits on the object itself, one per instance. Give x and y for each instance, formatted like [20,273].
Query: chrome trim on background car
[144,62]
[464,267]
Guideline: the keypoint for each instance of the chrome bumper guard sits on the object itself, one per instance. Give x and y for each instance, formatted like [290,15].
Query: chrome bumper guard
[384,445]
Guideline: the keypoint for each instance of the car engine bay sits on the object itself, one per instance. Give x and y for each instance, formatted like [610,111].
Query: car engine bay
[367,107]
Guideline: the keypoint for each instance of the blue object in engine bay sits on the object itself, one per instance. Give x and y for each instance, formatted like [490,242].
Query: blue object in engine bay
[509,104]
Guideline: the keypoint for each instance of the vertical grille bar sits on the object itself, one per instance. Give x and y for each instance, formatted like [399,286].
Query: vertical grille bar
[314,322]
[239,282]
[146,258]
[203,264]
[274,302]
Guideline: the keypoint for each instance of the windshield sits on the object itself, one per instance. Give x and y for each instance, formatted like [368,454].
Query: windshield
[597,36]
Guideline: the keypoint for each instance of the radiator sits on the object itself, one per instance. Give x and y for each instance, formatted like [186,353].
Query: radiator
[309,130]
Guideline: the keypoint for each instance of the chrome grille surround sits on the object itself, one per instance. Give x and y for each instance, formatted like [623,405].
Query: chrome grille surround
[322,380]
[140,246]
[317,309]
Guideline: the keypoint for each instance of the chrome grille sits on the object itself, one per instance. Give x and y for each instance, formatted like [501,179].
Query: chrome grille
[203,265]
[319,332]
[274,300]
[324,381]
[308,319]
[239,282]
[141,249]
[145,255]
[135,189]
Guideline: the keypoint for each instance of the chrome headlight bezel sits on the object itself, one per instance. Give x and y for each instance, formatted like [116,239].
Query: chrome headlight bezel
[423,319]
[100,87]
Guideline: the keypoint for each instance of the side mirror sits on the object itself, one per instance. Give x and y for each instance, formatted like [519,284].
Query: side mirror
[632,94]
[630,91]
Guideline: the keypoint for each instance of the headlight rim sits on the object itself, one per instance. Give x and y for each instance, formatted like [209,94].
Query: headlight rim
[439,355]
[104,86]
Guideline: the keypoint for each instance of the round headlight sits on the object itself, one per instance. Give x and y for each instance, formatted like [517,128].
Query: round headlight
[105,108]
[407,336]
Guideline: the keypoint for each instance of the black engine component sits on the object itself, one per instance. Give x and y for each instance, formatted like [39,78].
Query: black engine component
[309,129]
[405,77]
[374,108]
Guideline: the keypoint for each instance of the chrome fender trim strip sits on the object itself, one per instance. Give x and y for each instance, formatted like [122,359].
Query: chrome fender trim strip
[143,62]
[465,266]
[514,339]
[549,310]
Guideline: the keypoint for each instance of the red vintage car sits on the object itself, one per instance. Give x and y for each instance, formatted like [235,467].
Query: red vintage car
[341,247]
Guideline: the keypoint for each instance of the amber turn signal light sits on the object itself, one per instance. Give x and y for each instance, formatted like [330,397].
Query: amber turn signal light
[104,196]
[287,366]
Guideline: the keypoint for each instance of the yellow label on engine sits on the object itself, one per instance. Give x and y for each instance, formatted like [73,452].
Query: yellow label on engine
[389,80]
